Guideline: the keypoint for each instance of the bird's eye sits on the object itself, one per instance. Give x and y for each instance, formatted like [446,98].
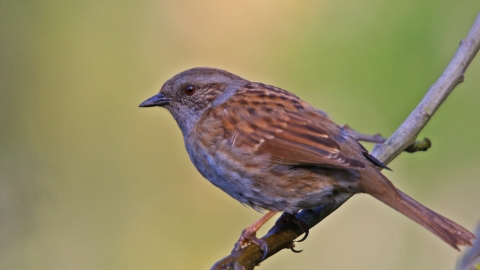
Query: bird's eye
[189,89]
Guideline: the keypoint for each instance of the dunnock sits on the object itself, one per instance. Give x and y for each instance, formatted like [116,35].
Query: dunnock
[271,150]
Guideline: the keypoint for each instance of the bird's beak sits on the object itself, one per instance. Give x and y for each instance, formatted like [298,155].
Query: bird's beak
[157,100]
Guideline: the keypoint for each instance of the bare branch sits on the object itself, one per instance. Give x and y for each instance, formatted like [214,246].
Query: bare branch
[438,92]
[471,256]
[283,233]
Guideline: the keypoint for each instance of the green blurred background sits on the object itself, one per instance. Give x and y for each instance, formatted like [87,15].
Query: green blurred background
[90,181]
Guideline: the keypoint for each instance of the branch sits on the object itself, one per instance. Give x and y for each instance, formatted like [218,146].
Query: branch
[471,256]
[438,92]
[283,233]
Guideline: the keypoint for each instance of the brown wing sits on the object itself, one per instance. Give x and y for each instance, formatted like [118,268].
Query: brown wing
[288,138]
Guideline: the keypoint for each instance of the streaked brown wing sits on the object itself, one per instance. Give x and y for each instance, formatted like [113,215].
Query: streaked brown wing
[290,139]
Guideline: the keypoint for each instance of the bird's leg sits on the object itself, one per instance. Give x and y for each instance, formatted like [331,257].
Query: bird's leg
[249,234]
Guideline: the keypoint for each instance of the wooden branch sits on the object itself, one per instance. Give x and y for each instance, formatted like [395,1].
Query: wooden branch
[283,233]
[471,257]
[438,92]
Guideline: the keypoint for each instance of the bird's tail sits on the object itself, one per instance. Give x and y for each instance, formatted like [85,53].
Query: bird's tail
[449,231]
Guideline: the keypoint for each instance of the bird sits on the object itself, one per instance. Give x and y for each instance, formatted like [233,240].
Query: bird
[271,150]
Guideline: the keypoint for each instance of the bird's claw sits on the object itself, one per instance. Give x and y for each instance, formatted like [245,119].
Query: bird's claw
[304,228]
[292,248]
[247,237]
[300,223]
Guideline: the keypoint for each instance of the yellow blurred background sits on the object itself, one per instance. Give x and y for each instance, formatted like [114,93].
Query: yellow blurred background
[90,181]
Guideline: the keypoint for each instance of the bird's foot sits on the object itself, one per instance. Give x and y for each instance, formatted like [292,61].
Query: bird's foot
[249,236]
[286,217]
[292,248]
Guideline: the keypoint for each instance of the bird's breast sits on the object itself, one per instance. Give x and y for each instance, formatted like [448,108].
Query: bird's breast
[222,166]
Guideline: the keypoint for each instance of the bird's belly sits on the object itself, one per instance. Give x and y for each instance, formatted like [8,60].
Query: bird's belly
[272,186]
[223,172]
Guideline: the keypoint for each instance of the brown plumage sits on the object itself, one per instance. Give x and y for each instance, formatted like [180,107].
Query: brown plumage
[269,149]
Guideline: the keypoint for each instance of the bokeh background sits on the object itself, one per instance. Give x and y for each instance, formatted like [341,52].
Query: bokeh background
[90,181]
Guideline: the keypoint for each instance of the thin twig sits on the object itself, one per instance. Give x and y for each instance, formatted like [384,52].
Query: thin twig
[438,92]
[471,257]
[283,233]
